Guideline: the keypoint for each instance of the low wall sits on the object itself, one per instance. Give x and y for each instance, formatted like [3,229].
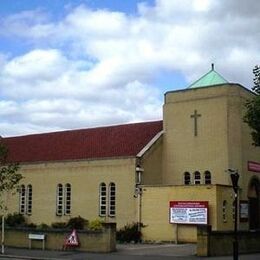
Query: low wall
[217,243]
[102,241]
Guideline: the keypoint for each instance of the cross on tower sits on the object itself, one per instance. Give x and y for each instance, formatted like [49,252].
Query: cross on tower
[195,116]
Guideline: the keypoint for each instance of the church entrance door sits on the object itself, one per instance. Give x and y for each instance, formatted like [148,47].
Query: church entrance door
[254,203]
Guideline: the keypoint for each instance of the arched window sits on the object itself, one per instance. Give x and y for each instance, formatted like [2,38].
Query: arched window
[196,177]
[112,199]
[22,199]
[59,200]
[207,176]
[29,200]
[224,211]
[187,178]
[102,199]
[67,202]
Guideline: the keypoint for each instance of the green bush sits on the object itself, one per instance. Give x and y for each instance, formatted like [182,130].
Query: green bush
[59,225]
[95,224]
[77,223]
[15,220]
[43,226]
[129,233]
[31,225]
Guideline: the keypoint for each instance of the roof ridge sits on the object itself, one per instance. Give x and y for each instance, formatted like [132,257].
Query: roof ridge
[82,129]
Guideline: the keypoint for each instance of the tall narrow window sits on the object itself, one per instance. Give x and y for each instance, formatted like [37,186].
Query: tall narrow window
[22,200]
[102,199]
[196,177]
[186,178]
[224,211]
[67,204]
[59,200]
[29,200]
[112,199]
[207,176]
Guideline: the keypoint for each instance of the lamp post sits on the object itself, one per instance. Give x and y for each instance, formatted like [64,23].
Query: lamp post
[234,179]
[138,193]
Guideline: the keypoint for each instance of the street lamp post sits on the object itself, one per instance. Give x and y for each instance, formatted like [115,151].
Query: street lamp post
[234,179]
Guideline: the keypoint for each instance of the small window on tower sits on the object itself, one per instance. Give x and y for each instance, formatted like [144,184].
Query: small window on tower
[207,176]
[196,177]
[187,178]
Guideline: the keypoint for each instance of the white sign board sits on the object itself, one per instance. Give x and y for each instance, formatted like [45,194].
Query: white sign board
[37,236]
[189,212]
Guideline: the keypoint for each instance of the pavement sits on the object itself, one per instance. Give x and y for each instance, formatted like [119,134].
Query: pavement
[124,251]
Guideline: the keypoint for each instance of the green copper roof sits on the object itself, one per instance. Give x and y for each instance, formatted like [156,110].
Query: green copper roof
[209,79]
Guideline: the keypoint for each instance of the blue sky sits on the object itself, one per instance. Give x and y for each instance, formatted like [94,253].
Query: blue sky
[55,6]
[85,63]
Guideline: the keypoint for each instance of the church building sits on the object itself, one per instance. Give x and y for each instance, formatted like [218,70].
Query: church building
[169,175]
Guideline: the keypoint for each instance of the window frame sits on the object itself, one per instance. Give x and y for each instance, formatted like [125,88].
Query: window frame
[22,200]
[102,199]
[29,199]
[224,211]
[112,199]
[197,180]
[67,199]
[59,199]
[207,177]
[187,178]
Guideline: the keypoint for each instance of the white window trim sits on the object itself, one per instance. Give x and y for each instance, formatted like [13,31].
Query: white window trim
[112,198]
[59,199]
[102,199]
[67,199]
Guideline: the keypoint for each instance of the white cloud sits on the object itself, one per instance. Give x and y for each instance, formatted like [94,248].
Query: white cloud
[95,67]
[44,64]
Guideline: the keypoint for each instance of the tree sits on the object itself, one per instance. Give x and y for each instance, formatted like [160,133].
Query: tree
[9,178]
[9,181]
[252,115]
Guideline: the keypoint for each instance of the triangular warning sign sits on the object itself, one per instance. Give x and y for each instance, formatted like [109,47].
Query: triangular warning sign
[72,239]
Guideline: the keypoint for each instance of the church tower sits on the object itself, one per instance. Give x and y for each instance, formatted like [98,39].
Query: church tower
[203,130]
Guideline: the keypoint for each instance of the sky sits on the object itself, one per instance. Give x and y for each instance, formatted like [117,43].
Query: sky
[71,64]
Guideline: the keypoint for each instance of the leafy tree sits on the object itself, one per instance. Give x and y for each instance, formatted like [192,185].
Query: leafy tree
[9,178]
[252,116]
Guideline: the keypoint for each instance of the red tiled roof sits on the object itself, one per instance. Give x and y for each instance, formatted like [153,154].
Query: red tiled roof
[101,142]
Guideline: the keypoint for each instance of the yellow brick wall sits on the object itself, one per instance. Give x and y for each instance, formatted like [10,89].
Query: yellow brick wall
[155,210]
[84,177]
[152,164]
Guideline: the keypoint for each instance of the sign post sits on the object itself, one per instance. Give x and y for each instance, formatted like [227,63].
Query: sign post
[71,240]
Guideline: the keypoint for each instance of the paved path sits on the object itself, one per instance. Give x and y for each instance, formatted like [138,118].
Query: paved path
[124,252]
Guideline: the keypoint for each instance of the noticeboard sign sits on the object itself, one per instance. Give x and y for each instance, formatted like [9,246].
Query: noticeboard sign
[189,212]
